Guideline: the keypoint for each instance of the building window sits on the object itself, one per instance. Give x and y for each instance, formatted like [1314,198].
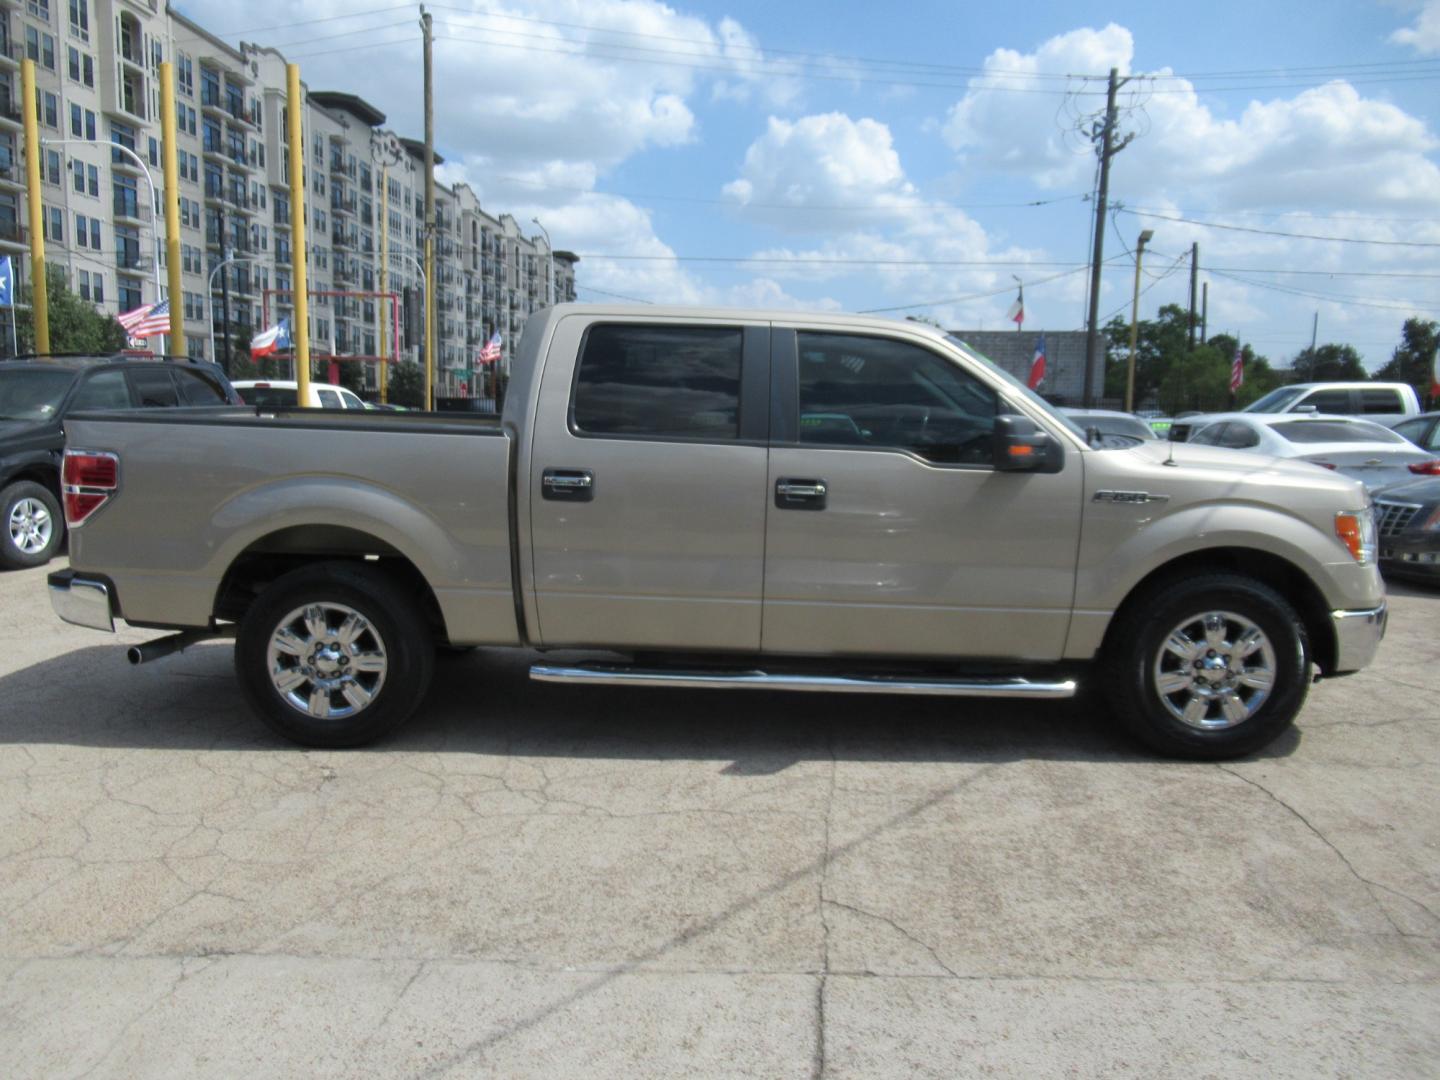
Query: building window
[185,72]
[54,221]
[50,111]
[39,8]
[92,179]
[52,166]
[80,19]
[97,281]
[77,121]
[95,233]
[84,284]
[129,296]
[82,231]
[77,169]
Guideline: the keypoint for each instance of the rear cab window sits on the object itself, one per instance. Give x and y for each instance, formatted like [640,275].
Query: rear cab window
[153,388]
[102,390]
[1334,431]
[1383,402]
[197,389]
[665,382]
[1327,401]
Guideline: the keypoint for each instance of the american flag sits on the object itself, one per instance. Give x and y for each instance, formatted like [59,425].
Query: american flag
[1237,370]
[147,320]
[491,352]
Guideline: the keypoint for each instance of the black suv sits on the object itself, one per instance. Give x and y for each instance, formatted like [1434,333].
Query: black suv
[38,392]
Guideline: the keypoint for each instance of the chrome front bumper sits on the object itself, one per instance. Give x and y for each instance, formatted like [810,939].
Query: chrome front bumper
[81,600]
[1357,637]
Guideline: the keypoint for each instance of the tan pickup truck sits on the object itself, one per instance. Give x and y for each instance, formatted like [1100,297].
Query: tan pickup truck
[726,498]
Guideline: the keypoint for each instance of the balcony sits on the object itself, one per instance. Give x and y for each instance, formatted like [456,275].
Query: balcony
[126,206]
[129,260]
[212,101]
[12,232]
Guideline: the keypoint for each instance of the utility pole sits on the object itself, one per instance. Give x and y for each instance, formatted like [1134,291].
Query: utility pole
[1109,147]
[1145,238]
[383,205]
[429,212]
[1314,334]
[171,164]
[1194,276]
[1204,310]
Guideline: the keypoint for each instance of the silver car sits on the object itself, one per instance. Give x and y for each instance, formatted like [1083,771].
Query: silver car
[1366,451]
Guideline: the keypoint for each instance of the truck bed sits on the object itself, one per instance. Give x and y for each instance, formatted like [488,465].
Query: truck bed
[219,484]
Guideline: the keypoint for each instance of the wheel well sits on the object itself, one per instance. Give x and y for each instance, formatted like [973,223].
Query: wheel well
[46,477]
[289,549]
[1278,573]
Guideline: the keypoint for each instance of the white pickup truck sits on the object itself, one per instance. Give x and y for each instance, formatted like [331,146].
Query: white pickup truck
[722,498]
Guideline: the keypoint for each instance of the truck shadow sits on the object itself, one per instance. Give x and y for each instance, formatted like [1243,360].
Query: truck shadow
[484,703]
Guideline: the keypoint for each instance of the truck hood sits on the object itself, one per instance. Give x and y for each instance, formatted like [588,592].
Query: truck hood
[1245,468]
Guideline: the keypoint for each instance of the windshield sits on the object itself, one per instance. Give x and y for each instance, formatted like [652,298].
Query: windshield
[1335,431]
[1275,400]
[31,393]
[1016,385]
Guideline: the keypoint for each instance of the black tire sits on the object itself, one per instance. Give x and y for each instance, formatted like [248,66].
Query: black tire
[14,500]
[1138,639]
[396,634]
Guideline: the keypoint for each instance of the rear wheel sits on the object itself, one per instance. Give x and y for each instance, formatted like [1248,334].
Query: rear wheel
[33,526]
[1209,668]
[334,655]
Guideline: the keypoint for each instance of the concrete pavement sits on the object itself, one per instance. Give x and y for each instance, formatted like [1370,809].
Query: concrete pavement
[549,881]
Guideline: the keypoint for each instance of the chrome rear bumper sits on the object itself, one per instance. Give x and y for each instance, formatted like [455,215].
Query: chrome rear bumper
[81,600]
[1357,637]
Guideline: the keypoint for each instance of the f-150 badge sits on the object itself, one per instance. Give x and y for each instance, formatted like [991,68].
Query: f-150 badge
[1129,497]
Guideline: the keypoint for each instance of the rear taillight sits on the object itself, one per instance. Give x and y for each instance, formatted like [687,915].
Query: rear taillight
[1426,468]
[1324,465]
[88,478]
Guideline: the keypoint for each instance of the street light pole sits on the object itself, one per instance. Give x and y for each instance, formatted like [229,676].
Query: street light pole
[1145,238]
[149,181]
[210,298]
[550,253]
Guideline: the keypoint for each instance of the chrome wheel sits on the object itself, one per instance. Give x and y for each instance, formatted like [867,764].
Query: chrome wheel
[327,660]
[1214,670]
[31,526]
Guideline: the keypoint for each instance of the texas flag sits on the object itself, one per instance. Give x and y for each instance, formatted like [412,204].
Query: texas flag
[1037,366]
[272,340]
[1016,314]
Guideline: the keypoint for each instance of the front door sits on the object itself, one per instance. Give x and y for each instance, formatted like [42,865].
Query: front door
[647,486]
[890,532]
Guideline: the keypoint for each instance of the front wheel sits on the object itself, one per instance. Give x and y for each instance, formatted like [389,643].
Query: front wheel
[1208,668]
[334,655]
[33,525]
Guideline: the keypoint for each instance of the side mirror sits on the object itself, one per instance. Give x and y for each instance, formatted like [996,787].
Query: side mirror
[1305,409]
[1021,445]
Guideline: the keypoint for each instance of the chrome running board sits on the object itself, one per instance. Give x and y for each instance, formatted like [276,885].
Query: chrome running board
[982,687]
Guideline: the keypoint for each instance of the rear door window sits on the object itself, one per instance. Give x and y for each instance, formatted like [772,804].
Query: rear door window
[670,382]
[103,390]
[153,388]
[1210,435]
[1381,401]
[1239,436]
[329,399]
[351,401]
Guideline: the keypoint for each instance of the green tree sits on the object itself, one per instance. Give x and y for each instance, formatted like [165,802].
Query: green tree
[407,385]
[352,378]
[1161,344]
[1328,363]
[1258,379]
[75,325]
[1413,360]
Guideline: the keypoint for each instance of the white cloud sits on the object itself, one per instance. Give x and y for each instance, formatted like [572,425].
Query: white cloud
[1424,36]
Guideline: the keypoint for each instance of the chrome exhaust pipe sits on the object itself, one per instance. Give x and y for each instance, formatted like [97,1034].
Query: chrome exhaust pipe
[165,646]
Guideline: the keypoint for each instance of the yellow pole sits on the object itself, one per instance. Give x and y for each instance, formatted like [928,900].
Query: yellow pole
[39,300]
[1134,331]
[170,163]
[382,204]
[300,323]
[429,316]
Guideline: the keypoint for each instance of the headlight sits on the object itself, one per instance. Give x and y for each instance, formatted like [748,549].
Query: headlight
[1432,523]
[1356,530]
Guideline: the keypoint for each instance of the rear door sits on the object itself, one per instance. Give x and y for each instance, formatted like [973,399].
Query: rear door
[891,533]
[647,485]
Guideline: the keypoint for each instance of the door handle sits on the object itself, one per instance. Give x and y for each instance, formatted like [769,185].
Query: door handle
[567,485]
[792,493]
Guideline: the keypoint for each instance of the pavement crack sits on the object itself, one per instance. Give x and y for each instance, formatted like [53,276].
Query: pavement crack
[818,1069]
[1370,886]
[908,935]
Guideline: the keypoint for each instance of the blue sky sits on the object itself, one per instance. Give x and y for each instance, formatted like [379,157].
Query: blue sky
[860,159]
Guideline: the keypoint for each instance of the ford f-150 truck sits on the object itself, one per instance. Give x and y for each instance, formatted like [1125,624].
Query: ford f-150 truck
[722,498]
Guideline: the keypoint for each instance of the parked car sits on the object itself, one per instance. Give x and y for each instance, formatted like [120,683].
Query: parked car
[1368,452]
[285,394]
[1422,430]
[1119,428]
[1407,518]
[1383,402]
[736,499]
[38,393]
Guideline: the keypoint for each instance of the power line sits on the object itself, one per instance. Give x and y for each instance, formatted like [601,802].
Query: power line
[312,22]
[879,208]
[972,296]
[616,295]
[1283,213]
[1411,308]
[783,260]
[1275,232]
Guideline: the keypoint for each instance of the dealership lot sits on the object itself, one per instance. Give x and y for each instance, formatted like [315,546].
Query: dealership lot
[554,881]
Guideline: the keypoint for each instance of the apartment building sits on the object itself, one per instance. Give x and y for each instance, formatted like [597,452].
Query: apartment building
[98,97]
